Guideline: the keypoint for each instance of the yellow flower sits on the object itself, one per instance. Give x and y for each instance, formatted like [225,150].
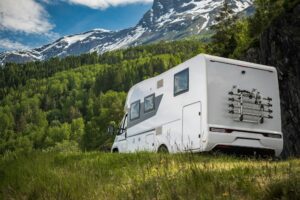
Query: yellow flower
[225,194]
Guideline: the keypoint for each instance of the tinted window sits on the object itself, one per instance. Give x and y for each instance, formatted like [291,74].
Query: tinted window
[135,110]
[149,103]
[181,82]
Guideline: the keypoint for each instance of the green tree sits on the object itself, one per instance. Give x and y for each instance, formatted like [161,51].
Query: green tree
[69,101]
[77,130]
[57,134]
[242,37]
[6,119]
[223,41]
[108,109]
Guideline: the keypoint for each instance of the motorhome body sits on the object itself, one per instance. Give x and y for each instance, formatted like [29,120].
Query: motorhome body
[202,104]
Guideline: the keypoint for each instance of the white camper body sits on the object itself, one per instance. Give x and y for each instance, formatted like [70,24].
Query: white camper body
[204,103]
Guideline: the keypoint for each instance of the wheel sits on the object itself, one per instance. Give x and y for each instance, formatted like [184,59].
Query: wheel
[163,149]
[115,150]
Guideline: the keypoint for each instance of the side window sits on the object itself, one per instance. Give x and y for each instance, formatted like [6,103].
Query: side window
[149,103]
[181,82]
[135,110]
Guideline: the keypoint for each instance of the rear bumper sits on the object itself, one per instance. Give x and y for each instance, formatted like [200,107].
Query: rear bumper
[244,139]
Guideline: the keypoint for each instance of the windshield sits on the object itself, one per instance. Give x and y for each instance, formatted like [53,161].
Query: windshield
[123,125]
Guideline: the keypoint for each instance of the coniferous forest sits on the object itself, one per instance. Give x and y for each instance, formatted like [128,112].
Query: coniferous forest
[54,117]
[71,101]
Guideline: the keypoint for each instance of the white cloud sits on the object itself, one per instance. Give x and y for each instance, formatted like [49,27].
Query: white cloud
[103,4]
[26,16]
[11,45]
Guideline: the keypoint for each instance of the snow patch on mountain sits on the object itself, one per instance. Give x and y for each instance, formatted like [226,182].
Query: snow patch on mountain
[102,30]
[206,17]
[202,6]
[165,18]
[76,38]
[241,5]
[121,42]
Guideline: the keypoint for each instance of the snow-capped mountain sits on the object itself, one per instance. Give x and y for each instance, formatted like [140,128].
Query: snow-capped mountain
[176,19]
[166,20]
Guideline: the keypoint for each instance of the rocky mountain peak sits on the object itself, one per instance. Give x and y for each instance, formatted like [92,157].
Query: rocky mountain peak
[163,6]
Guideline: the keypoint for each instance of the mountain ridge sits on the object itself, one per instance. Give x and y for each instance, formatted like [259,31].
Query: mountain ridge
[166,20]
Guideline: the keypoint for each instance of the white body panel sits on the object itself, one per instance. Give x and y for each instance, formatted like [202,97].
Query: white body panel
[188,121]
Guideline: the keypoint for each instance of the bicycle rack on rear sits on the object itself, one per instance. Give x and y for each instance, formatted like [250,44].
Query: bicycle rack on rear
[249,106]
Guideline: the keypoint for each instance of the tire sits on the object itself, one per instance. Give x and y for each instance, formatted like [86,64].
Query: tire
[115,150]
[162,149]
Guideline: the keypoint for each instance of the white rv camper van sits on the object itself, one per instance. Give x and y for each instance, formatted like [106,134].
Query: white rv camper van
[203,104]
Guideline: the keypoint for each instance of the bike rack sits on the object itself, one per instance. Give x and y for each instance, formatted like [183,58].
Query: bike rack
[249,106]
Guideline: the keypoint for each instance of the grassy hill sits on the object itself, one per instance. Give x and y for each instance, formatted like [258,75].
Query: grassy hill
[51,111]
[44,104]
[94,175]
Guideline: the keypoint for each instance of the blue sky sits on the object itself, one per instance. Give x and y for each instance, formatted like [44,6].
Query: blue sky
[32,23]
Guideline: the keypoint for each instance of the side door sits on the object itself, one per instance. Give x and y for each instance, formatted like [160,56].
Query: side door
[191,126]
[150,142]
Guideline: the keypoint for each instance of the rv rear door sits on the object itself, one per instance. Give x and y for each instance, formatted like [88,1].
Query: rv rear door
[224,79]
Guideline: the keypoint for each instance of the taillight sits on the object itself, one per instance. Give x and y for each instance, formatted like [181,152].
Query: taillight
[271,135]
[220,130]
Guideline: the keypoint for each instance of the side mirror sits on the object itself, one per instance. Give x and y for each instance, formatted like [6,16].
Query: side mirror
[110,130]
[122,130]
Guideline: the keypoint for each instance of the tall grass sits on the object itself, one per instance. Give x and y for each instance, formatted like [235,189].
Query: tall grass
[50,175]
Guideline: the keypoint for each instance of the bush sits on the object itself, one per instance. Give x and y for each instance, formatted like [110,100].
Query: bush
[288,189]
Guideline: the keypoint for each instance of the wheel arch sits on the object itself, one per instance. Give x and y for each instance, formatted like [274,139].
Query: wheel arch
[161,147]
[115,150]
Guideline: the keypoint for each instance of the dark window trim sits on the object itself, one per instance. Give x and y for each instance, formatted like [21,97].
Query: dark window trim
[145,116]
[146,111]
[188,83]
[147,131]
[138,101]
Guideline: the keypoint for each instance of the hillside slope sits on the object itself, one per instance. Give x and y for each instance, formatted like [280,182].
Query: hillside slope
[43,104]
[90,176]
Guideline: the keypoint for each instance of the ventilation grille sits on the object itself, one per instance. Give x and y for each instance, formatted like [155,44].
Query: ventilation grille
[160,83]
[158,130]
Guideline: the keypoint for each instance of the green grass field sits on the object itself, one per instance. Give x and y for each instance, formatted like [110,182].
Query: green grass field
[50,175]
